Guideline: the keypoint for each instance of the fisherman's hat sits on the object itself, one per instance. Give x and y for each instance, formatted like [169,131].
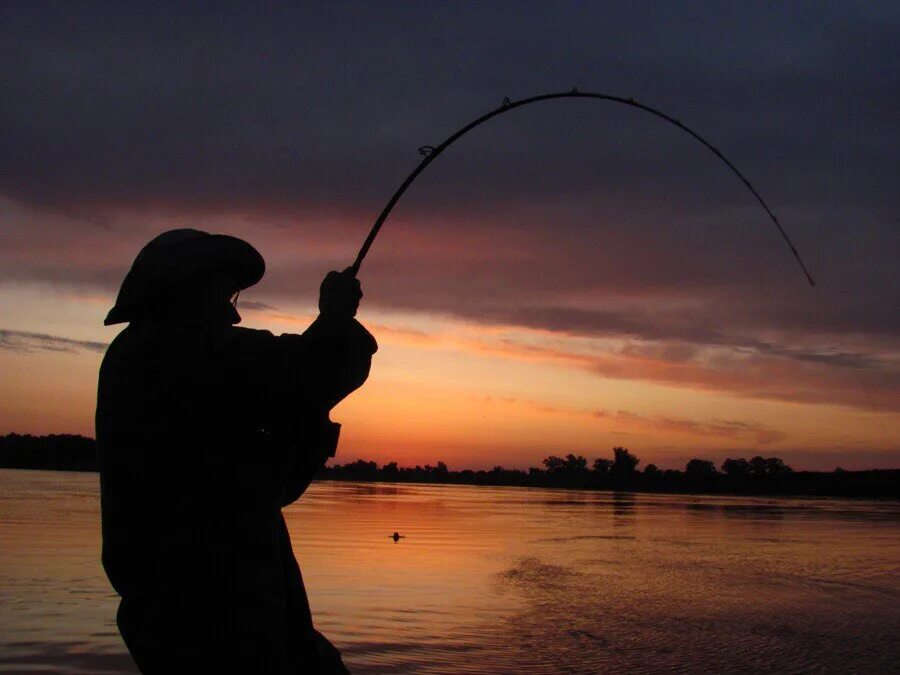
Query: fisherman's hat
[179,256]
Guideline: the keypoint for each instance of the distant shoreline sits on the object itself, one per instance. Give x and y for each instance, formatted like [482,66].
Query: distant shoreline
[879,484]
[769,495]
[56,452]
[59,469]
[759,476]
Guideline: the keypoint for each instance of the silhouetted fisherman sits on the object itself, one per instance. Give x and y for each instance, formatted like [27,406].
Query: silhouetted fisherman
[205,431]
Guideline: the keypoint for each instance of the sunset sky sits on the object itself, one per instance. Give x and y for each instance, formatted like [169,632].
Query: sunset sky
[570,277]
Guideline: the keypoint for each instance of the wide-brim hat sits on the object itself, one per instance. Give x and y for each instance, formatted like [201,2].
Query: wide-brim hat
[179,256]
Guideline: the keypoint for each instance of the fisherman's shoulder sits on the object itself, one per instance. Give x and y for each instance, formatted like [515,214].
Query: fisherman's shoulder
[345,329]
[127,342]
[239,337]
[250,334]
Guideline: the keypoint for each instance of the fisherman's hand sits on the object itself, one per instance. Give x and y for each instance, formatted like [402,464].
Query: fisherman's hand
[340,293]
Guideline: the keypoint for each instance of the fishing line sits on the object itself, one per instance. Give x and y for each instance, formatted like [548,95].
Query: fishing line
[430,153]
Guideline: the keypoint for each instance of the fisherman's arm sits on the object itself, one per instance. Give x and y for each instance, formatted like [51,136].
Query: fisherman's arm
[334,356]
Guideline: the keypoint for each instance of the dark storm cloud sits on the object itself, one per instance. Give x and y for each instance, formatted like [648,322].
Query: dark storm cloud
[572,216]
[16,340]
[256,306]
[287,103]
[720,428]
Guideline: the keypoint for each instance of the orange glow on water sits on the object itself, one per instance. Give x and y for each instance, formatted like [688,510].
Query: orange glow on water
[523,578]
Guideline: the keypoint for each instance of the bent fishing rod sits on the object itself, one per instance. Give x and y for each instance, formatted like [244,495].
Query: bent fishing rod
[431,153]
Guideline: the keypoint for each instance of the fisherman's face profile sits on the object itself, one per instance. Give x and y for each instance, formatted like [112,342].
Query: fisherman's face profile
[208,299]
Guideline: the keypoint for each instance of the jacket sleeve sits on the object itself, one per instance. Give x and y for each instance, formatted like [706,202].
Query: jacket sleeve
[290,383]
[330,360]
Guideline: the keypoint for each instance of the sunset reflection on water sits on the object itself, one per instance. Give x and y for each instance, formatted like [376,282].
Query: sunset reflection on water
[506,580]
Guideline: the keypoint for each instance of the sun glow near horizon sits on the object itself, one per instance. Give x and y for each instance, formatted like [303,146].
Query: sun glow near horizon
[477,395]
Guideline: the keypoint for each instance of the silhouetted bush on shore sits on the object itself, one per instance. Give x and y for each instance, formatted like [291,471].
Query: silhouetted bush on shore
[756,476]
[63,452]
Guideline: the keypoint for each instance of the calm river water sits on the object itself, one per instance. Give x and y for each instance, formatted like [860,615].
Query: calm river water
[506,580]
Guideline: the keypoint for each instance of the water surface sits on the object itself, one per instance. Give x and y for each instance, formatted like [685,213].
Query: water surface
[506,580]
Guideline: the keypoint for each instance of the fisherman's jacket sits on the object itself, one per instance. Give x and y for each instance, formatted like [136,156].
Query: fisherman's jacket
[203,435]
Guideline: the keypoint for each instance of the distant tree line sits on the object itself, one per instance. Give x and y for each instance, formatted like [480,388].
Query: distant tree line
[62,452]
[757,475]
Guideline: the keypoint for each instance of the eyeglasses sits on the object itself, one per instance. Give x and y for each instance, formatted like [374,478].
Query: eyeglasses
[234,299]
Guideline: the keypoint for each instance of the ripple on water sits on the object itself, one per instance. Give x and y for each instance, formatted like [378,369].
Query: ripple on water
[506,580]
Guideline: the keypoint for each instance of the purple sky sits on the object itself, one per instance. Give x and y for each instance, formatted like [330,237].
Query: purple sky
[291,123]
